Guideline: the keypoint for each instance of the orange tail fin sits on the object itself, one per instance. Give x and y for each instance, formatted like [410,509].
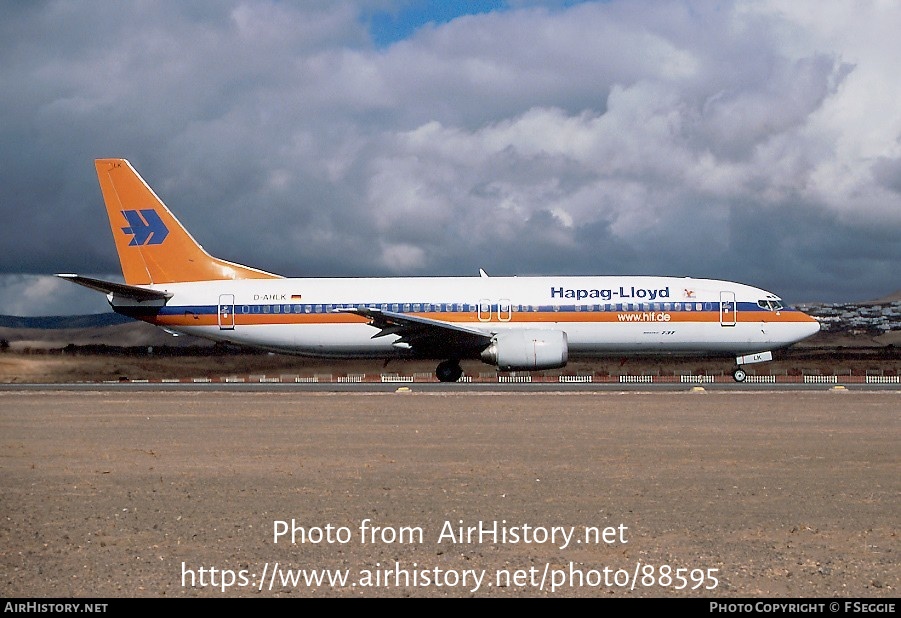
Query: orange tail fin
[153,246]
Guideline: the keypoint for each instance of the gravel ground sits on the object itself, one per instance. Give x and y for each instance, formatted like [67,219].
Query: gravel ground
[791,494]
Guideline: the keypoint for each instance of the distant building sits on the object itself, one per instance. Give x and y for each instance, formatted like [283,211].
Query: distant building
[837,317]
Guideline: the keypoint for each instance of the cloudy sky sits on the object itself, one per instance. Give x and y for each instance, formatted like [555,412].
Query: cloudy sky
[753,141]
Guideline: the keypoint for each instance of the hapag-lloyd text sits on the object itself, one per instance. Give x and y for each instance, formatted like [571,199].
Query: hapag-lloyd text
[631,292]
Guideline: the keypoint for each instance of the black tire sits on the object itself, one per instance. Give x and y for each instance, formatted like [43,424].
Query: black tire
[448,371]
[739,375]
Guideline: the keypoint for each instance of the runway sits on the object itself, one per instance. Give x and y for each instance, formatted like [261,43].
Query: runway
[451,389]
[160,491]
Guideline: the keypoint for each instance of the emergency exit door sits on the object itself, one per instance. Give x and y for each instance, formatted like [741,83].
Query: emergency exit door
[226,312]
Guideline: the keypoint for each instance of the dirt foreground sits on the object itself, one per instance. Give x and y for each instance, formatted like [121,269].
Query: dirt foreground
[602,494]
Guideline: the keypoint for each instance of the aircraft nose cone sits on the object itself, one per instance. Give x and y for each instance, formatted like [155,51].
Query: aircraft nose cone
[810,328]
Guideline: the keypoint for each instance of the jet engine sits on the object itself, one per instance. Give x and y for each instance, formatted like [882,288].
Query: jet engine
[527,350]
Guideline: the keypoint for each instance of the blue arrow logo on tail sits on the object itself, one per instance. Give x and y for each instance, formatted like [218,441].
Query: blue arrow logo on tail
[146,226]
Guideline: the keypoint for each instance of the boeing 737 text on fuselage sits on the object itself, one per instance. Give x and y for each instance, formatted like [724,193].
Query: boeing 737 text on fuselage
[513,323]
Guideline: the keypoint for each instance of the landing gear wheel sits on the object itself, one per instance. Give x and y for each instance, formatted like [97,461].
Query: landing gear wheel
[739,375]
[448,371]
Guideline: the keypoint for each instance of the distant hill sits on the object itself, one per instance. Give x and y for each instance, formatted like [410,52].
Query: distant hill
[110,329]
[888,299]
[64,321]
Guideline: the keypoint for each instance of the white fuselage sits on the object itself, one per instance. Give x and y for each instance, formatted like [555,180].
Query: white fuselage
[598,314]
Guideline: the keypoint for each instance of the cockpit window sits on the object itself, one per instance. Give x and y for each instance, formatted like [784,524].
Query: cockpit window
[770,305]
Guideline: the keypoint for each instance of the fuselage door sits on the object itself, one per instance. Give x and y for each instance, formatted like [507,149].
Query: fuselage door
[727,309]
[484,310]
[504,310]
[226,312]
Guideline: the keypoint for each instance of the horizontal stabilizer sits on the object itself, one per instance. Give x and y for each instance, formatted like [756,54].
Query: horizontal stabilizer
[119,289]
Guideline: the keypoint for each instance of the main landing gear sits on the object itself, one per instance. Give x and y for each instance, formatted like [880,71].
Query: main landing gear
[739,374]
[449,371]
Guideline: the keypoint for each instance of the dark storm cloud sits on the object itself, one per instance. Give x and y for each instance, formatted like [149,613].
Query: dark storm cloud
[738,141]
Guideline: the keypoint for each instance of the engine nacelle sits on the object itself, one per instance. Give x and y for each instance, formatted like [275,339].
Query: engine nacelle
[527,349]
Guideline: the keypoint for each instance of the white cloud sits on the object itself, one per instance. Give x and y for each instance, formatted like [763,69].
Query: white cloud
[47,295]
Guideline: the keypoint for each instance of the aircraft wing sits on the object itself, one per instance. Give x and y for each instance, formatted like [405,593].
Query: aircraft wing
[119,289]
[423,335]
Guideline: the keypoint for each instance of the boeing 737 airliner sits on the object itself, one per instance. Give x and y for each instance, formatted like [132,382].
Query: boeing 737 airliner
[513,323]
